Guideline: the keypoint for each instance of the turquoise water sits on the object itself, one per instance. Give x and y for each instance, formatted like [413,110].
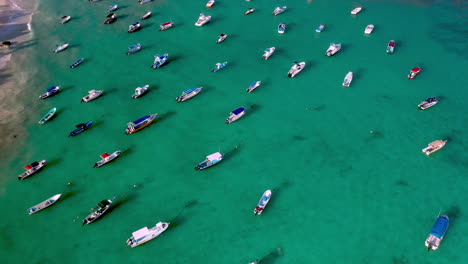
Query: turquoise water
[340,193]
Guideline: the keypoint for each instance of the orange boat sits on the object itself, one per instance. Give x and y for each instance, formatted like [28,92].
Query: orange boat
[210,3]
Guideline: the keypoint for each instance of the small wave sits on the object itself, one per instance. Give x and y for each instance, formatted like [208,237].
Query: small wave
[4,60]
[14,5]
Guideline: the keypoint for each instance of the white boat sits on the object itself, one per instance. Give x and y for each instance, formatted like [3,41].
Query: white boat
[262,203]
[144,235]
[434,146]
[31,169]
[356,10]
[253,86]
[134,27]
[61,48]
[268,52]
[250,10]
[189,93]
[202,20]
[210,160]
[296,68]
[106,158]
[319,28]
[429,102]
[44,204]
[139,91]
[92,94]
[278,10]
[166,25]
[210,3]
[146,15]
[221,37]
[144,1]
[65,19]
[333,49]
[348,79]
[114,7]
[281,28]
[235,115]
[369,29]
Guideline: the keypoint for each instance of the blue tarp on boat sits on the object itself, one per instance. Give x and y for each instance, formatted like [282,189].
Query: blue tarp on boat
[440,226]
[238,110]
[141,119]
[189,90]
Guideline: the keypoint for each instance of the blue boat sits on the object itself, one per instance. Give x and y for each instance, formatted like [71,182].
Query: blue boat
[189,93]
[140,123]
[159,60]
[80,128]
[219,66]
[319,28]
[437,233]
[281,28]
[134,48]
[211,160]
[236,114]
[76,63]
[50,92]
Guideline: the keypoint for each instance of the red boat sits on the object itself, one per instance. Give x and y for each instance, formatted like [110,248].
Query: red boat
[415,71]
[165,26]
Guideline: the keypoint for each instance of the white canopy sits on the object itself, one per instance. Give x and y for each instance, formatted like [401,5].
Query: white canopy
[214,156]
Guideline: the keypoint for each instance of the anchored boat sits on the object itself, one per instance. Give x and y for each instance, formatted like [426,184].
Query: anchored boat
[166,25]
[250,10]
[434,146]
[429,102]
[391,47]
[80,128]
[102,206]
[210,160]
[134,27]
[281,28]
[319,28]
[110,18]
[139,91]
[61,48]
[48,116]
[76,63]
[144,1]
[144,235]
[210,3]
[437,233]
[268,52]
[296,68]
[278,10]
[415,71]
[253,86]
[262,203]
[43,205]
[65,19]
[140,123]
[106,158]
[159,60]
[50,92]
[202,20]
[235,114]
[189,93]
[333,49]
[134,48]
[32,169]
[356,10]
[369,29]
[146,15]
[92,94]
[221,37]
[348,79]
[113,7]
[219,66]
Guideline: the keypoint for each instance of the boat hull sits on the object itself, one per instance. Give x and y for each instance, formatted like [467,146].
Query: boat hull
[48,116]
[43,205]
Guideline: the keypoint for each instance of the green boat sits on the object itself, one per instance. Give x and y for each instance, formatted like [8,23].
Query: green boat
[48,116]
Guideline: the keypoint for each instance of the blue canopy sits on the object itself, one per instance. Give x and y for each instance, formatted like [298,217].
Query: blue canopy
[440,226]
[238,110]
[50,88]
[189,90]
[141,119]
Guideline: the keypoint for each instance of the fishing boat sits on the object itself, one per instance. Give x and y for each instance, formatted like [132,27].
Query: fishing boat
[106,158]
[348,79]
[250,10]
[60,48]
[144,235]
[437,233]
[356,10]
[139,91]
[391,47]
[210,3]
[268,52]
[281,28]
[76,63]
[92,94]
[113,7]
[51,91]
[189,93]
[221,37]
[434,146]
[110,18]
[219,66]
[48,116]
[134,27]
[159,60]
[80,128]
[210,160]
[369,29]
[429,102]
[32,169]
[146,15]
[202,20]
[166,25]
[235,114]
[102,208]
[43,205]
[140,123]
[144,1]
[415,71]
[65,19]
[296,68]
[253,86]
[262,203]
[133,49]
[319,28]
[333,49]
[278,10]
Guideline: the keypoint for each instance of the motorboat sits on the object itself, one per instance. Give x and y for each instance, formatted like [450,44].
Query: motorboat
[76,63]
[189,93]
[93,1]
[437,232]
[140,123]
[253,86]
[51,91]
[32,169]
[296,68]
[202,20]
[106,158]
[429,102]
[268,52]
[281,28]
[92,94]
[278,10]
[415,71]
[391,47]
[210,3]
[210,160]
[348,79]
[369,29]
[144,235]
[221,37]
[48,116]
[144,1]
[333,49]
[102,208]
[64,19]
[356,10]
[134,48]
[60,48]
[110,18]
[235,114]
[166,25]
[262,203]
[146,15]
[159,60]
[43,205]
[250,10]
[113,7]
[134,27]
[434,146]
[319,28]
[139,91]
[219,66]
[80,128]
